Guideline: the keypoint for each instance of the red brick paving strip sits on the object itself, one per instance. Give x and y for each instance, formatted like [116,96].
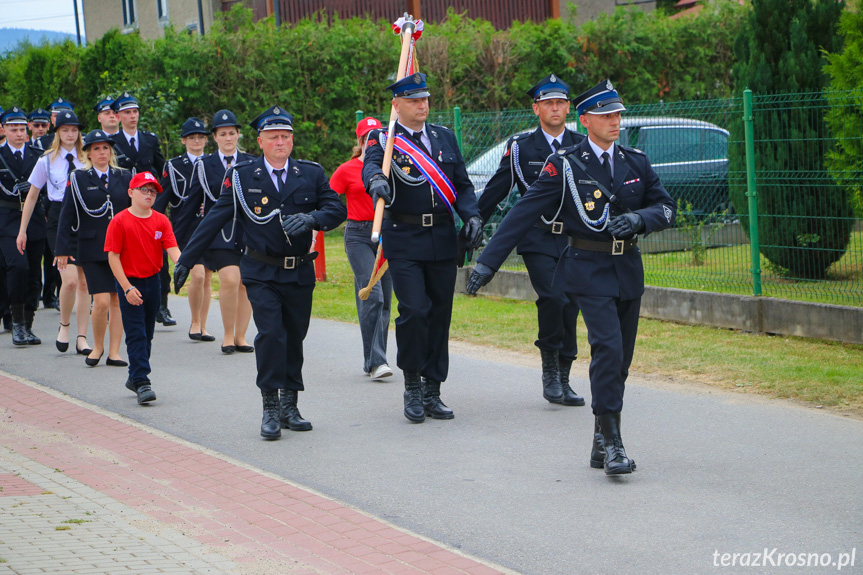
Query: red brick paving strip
[13,486]
[211,500]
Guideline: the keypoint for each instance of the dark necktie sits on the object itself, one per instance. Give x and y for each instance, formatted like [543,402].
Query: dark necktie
[555,145]
[606,164]
[104,179]
[132,143]
[418,138]
[19,157]
[71,159]
[229,160]
[279,180]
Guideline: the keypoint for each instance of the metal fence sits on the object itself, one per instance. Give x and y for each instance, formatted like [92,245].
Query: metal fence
[793,234]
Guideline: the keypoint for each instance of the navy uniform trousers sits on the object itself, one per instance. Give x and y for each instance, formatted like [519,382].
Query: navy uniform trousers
[607,288]
[557,313]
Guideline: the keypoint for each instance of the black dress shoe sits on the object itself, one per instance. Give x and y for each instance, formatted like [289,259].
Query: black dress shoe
[62,346]
[85,351]
[229,349]
[116,362]
[167,319]
[207,337]
[94,361]
[245,348]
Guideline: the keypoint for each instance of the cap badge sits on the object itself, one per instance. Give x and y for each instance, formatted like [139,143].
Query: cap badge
[224,116]
[126,95]
[608,85]
[276,110]
[553,78]
[417,79]
[197,124]
[15,109]
[60,100]
[68,115]
[98,134]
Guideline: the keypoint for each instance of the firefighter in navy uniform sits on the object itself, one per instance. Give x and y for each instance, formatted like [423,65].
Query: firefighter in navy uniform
[543,245]
[610,195]
[140,151]
[43,143]
[23,271]
[39,121]
[428,183]
[106,116]
[279,201]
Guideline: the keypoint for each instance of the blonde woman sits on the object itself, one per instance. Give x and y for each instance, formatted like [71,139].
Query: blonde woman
[52,171]
[96,193]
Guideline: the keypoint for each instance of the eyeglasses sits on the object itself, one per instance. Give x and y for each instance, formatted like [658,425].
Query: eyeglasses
[147,191]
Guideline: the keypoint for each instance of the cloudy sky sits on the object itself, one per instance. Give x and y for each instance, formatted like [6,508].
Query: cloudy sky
[54,15]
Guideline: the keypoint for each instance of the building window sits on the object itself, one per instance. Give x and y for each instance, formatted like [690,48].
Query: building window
[162,6]
[130,17]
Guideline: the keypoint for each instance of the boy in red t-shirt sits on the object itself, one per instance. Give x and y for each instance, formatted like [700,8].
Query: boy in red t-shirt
[135,240]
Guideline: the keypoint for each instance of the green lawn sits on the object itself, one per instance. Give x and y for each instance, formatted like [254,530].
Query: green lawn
[815,371]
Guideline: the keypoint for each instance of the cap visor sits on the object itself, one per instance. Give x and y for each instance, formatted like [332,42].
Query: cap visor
[609,109]
[553,96]
[423,94]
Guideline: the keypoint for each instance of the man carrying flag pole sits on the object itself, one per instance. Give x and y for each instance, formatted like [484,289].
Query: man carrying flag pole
[427,185]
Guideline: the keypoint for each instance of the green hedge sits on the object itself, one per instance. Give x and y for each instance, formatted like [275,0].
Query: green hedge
[323,71]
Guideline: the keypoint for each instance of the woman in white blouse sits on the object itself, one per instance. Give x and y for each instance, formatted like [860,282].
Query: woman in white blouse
[52,171]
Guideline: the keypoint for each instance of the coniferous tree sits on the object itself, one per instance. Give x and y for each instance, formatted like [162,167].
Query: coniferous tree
[804,217]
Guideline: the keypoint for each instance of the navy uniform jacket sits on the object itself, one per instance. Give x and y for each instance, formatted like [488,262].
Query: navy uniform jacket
[209,175]
[178,170]
[307,190]
[414,242]
[530,150]
[43,143]
[581,271]
[91,230]
[147,158]
[10,205]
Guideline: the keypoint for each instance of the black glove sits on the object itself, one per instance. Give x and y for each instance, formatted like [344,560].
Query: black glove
[380,188]
[473,232]
[296,224]
[479,277]
[465,254]
[625,224]
[181,274]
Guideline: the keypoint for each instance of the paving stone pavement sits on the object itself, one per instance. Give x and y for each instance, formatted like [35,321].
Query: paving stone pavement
[84,492]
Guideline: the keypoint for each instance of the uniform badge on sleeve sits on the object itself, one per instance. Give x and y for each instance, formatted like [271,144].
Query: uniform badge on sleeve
[549,169]
[667,212]
[227,183]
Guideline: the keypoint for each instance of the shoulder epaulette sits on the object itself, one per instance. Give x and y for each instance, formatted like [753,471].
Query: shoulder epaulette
[310,162]
[243,164]
[438,126]
[630,149]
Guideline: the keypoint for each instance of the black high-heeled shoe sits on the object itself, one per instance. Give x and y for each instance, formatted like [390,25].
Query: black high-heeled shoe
[86,350]
[62,346]
[95,361]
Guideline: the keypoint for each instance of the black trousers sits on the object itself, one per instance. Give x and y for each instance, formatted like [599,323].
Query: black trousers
[281,312]
[17,269]
[556,312]
[425,294]
[612,325]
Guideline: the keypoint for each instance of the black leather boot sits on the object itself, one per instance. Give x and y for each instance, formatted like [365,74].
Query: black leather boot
[434,407]
[569,396]
[271,427]
[28,325]
[19,329]
[616,462]
[414,409]
[551,389]
[7,322]
[291,418]
[597,454]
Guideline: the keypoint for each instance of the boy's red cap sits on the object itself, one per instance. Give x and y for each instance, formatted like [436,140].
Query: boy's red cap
[142,178]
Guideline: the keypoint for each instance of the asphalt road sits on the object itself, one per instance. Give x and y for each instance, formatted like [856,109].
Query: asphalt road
[508,479]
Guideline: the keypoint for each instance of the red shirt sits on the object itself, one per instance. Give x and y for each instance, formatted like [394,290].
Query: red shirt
[140,242]
[347,180]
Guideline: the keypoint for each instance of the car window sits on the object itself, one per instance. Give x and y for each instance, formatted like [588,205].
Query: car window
[665,145]
[715,145]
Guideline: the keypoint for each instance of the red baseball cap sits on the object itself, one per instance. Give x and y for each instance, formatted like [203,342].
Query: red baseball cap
[366,125]
[141,179]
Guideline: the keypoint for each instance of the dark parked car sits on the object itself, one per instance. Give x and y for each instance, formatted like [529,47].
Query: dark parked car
[690,157]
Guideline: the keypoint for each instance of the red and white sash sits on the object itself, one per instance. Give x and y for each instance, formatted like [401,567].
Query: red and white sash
[432,172]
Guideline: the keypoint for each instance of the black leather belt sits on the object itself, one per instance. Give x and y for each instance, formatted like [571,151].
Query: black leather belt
[11,205]
[284,262]
[424,220]
[553,227]
[615,247]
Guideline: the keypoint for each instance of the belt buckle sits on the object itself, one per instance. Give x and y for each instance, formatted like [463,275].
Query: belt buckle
[428,220]
[557,228]
[617,247]
[290,262]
